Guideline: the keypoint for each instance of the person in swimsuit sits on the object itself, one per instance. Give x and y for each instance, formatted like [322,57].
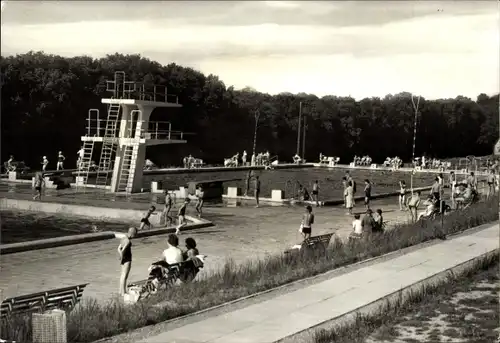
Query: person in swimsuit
[315,192]
[125,255]
[491,184]
[453,183]
[368,193]
[60,161]
[436,189]
[257,190]
[168,208]
[181,217]
[199,204]
[402,195]
[344,185]
[39,182]
[307,221]
[145,220]
[413,205]
[45,163]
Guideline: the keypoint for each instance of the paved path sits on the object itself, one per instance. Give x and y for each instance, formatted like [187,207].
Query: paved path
[240,233]
[288,314]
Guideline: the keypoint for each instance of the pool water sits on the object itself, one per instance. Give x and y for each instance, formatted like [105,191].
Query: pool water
[20,226]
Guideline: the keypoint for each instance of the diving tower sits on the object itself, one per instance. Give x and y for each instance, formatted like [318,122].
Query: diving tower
[125,134]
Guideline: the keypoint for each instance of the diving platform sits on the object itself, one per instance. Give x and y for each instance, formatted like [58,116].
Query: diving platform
[142,103]
[125,133]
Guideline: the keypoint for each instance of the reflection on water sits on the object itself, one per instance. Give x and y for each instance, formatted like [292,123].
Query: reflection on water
[27,226]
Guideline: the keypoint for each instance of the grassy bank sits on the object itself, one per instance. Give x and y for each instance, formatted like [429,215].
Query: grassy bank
[422,304]
[91,320]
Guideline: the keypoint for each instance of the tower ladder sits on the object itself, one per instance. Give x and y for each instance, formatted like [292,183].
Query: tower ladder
[129,163]
[85,164]
[108,145]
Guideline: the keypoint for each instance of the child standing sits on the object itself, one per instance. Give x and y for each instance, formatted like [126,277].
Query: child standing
[402,195]
[39,183]
[315,192]
[368,193]
[168,208]
[307,221]
[199,204]
[181,217]
[145,220]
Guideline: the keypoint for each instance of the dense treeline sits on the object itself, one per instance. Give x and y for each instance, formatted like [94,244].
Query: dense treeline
[46,98]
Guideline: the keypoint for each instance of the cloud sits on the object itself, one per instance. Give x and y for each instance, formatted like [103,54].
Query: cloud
[237,13]
[432,53]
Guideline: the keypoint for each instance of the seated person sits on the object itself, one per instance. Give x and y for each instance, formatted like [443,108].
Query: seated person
[465,196]
[431,205]
[191,251]
[379,221]
[192,263]
[368,222]
[173,254]
[297,159]
[357,226]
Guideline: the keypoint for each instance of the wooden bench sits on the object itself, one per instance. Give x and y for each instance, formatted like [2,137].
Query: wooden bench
[62,298]
[321,241]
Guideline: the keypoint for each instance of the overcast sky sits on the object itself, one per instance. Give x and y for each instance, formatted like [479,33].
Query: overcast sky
[436,49]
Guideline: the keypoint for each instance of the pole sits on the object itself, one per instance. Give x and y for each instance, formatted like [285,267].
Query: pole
[304,139]
[415,107]
[257,115]
[298,130]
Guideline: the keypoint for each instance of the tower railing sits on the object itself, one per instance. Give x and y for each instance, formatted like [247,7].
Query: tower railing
[122,89]
[161,130]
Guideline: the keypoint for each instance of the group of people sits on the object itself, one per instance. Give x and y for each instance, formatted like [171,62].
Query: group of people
[261,159]
[362,161]
[190,162]
[431,163]
[329,160]
[171,255]
[393,162]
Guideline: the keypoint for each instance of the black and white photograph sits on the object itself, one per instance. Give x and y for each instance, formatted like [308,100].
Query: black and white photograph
[250,171]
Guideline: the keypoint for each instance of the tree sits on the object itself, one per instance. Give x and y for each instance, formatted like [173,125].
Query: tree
[46,98]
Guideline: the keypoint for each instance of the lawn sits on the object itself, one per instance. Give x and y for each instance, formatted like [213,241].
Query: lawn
[92,320]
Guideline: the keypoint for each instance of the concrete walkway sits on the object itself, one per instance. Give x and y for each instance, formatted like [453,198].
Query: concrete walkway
[289,314]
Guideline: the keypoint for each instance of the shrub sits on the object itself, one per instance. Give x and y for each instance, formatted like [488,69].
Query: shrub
[90,320]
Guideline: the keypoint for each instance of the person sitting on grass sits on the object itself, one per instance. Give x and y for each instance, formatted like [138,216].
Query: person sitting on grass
[145,220]
[368,222]
[465,197]
[379,221]
[191,250]
[173,254]
[431,207]
[357,227]
[193,263]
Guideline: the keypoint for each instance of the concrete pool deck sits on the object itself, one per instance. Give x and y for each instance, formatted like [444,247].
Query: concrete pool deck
[237,235]
[288,317]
